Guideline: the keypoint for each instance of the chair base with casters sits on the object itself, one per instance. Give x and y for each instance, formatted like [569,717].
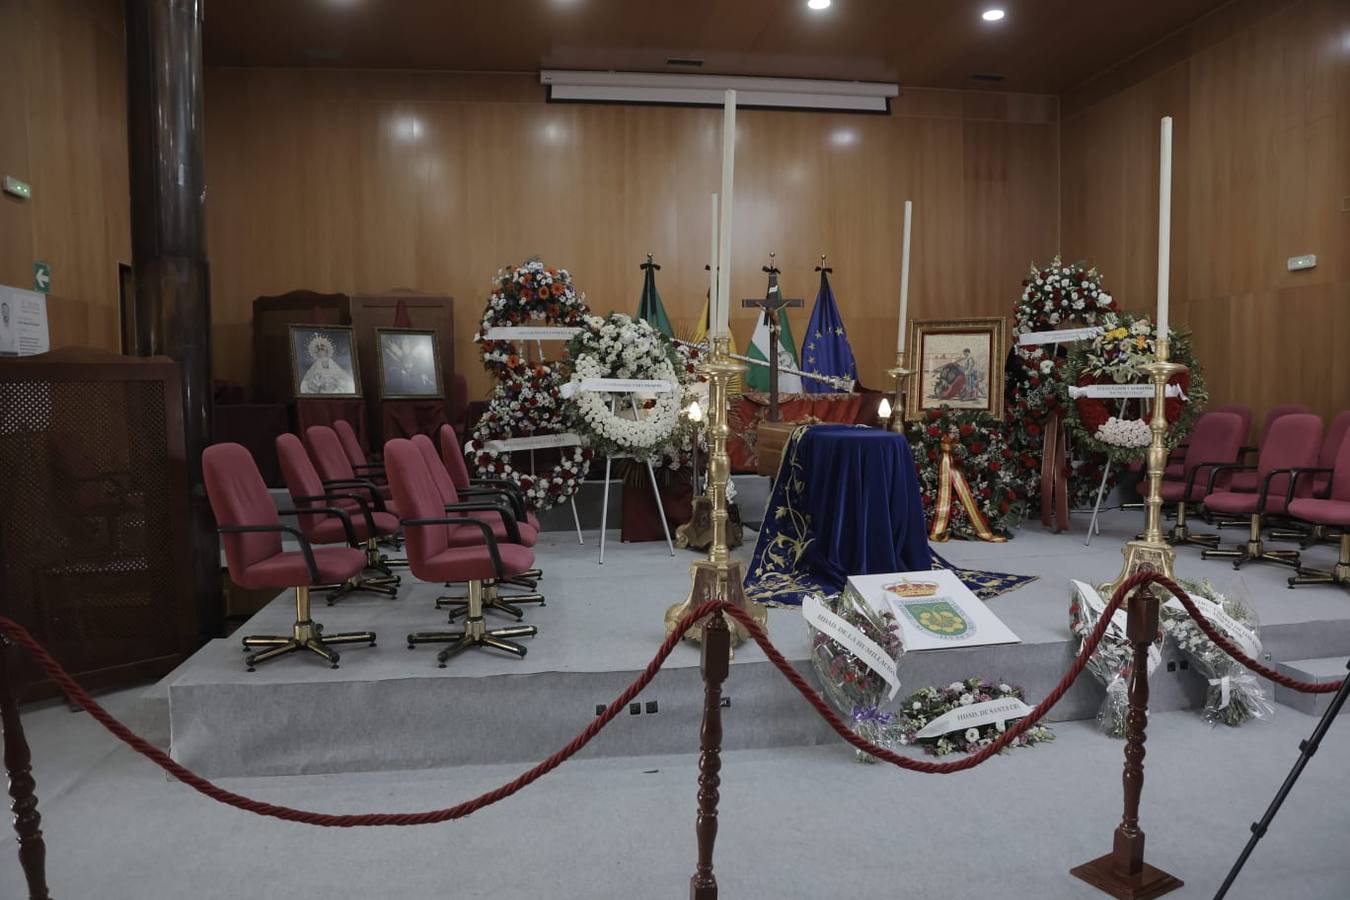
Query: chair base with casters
[475,632]
[1254,550]
[1339,574]
[306,634]
[386,583]
[1181,533]
[491,600]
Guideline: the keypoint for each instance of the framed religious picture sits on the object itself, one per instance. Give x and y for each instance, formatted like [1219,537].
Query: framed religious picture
[957,363]
[408,362]
[323,361]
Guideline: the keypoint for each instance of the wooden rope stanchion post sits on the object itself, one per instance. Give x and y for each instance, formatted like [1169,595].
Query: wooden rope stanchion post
[22,787]
[716,662]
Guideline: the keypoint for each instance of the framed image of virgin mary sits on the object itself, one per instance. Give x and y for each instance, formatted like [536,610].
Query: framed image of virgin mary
[957,363]
[409,364]
[323,361]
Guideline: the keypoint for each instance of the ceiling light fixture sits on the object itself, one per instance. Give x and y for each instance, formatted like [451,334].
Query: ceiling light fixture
[992,15]
[817,4]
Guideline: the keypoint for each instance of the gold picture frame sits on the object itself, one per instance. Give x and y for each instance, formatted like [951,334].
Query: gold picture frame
[323,361]
[957,363]
[409,364]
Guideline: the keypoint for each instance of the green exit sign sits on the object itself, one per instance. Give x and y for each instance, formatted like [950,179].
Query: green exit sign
[17,188]
[42,277]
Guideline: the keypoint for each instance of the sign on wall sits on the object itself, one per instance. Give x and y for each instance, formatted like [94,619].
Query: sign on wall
[23,322]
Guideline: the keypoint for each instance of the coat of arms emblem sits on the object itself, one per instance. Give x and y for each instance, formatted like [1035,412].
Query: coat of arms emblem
[939,616]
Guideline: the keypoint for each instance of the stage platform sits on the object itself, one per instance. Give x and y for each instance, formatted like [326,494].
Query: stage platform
[388,707]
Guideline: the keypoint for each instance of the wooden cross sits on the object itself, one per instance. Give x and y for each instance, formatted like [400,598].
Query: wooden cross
[771,303]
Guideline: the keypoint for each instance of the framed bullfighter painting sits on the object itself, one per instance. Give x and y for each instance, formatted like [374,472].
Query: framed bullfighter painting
[960,364]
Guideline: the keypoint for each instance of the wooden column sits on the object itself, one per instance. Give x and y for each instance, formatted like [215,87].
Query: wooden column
[168,241]
[716,663]
[23,800]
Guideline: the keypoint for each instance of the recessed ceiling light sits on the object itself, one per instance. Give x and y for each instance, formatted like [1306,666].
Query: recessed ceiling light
[992,15]
[817,4]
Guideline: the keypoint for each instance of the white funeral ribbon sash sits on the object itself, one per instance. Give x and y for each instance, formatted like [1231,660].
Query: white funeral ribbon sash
[1123,391]
[532,332]
[1225,690]
[1119,619]
[619,386]
[1062,336]
[541,442]
[976,715]
[860,645]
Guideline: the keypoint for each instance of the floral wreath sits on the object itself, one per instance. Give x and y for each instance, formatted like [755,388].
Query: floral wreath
[927,704]
[1060,295]
[524,407]
[980,447]
[618,346]
[531,293]
[528,398]
[1119,429]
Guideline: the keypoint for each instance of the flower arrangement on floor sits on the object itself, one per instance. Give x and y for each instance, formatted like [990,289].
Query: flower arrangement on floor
[618,346]
[1060,295]
[978,446]
[1233,695]
[857,693]
[927,705]
[527,400]
[1119,429]
[1113,661]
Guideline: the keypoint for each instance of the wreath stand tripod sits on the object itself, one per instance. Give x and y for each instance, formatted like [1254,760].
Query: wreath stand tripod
[656,488]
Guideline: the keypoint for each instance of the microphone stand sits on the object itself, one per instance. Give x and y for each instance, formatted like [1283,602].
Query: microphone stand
[1307,749]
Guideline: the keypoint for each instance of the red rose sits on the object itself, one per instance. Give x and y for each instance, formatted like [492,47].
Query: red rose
[977,447]
[1004,507]
[934,431]
[995,467]
[967,430]
[932,456]
[1007,453]
[526,483]
[1033,429]
[934,414]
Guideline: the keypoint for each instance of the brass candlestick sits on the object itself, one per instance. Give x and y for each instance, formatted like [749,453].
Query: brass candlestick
[901,376]
[1152,553]
[719,576]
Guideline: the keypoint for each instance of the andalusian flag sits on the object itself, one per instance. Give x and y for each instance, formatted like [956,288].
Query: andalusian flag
[650,308]
[757,379]
[825,349]
[700,334]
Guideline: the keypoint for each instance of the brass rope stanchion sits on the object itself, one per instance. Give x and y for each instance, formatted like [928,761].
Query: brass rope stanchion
[719,577]
[1123,873]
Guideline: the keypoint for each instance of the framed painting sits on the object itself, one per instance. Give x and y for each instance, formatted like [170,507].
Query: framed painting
[409,364]
[323,361]
[957,363]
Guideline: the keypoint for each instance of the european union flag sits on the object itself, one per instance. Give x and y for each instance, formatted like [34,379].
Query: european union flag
[825,348]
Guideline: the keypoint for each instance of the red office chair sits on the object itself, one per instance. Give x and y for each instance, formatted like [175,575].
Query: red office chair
[1251,480]
[325,448]
[505,528]
[431,536]
[1332,511]
[1291,443]
[1176,468]
[248,521]
[351,445]
[361,527]
[1321,480]
[1213,442]
[452,454]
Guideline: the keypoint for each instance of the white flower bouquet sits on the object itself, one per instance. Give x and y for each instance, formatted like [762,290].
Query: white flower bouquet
[1233,694]
[1113,662]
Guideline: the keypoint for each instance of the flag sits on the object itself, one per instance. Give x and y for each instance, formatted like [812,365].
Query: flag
[757,379]
[700,335]
[650,308]
[825,348]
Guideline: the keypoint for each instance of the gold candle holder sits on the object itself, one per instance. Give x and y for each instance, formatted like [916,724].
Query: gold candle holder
[719,576]
[1152,552]
[901,374]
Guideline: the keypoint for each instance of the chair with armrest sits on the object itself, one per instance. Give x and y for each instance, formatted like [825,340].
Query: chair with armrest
[361,526]
[1248,480]
[1213,442]
[435,538]
[1176,460]
[1291,444]
[1329,511]
[251,532]
[335,469]
[1336,434]
[496,511]
[351,445]
[452,455]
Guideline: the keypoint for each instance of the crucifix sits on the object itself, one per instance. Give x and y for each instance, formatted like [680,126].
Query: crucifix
[772,302]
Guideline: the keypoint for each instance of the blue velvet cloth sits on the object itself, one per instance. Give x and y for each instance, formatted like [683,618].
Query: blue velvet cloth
[846,502]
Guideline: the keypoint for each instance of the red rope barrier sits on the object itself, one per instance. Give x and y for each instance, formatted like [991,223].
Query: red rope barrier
[80,697]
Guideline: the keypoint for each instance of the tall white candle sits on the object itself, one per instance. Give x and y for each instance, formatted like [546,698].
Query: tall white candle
[904,279]
[713,299]
[1164,223]
[724,229]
